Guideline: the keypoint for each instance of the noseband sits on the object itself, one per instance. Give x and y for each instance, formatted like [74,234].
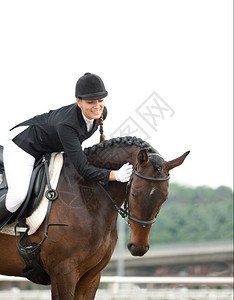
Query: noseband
[124,212]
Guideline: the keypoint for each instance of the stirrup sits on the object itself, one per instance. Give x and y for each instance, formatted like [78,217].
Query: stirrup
[5,215]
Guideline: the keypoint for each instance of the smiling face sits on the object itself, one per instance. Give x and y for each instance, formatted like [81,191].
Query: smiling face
[92,109]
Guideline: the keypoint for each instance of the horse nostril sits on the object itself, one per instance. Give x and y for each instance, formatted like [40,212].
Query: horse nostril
[147,248]
[132,248]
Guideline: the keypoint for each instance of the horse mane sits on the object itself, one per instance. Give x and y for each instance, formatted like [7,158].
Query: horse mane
[127,140]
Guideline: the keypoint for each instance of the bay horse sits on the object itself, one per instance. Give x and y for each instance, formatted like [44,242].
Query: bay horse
[73,256]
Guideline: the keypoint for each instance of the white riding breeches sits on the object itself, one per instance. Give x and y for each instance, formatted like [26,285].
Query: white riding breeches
[18,169]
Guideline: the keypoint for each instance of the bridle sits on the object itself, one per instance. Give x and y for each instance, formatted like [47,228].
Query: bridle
[124,212]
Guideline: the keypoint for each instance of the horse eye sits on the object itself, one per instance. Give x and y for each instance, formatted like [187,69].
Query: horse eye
[133,195]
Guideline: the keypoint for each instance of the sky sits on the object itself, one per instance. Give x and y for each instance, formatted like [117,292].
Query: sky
[167,66]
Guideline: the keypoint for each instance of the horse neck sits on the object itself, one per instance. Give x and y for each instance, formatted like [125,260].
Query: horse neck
[113,157]
[102,157]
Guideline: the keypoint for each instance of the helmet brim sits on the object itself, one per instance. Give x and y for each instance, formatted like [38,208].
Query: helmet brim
[94,96]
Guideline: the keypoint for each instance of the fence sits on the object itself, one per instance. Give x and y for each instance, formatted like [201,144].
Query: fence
[140,288]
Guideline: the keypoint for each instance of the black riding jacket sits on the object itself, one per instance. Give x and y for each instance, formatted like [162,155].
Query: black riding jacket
[58,130]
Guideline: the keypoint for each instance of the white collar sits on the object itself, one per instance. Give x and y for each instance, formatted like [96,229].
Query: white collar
[89,123]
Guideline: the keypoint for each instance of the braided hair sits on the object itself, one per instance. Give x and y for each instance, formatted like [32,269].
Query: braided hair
[102,136]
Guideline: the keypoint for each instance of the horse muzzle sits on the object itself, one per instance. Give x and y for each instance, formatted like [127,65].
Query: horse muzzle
[135,250]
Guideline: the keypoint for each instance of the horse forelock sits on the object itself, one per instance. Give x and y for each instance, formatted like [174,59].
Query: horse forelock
[157,163]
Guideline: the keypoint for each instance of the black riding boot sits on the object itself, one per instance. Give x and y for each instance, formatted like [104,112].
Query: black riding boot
[5,215]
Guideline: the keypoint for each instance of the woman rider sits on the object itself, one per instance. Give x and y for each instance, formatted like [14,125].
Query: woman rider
[58,130]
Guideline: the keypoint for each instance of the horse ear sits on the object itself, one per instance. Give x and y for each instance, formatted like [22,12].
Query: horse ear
[177,162]
[142,157]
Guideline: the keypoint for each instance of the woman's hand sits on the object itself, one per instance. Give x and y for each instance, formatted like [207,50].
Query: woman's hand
[123,174]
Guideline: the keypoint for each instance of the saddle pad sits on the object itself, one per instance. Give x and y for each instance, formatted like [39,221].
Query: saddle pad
[38,216]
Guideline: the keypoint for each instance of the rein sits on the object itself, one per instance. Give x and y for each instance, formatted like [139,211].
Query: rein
[124,212]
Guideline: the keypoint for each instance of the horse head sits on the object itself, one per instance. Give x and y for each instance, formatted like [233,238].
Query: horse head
[148,189]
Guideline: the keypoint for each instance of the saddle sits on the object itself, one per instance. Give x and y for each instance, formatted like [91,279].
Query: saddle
[27,250]
[35,191]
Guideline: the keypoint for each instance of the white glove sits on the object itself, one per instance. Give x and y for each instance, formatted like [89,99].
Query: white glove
[124,173]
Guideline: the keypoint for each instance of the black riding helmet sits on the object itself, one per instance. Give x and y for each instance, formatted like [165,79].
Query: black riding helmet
[90,87]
